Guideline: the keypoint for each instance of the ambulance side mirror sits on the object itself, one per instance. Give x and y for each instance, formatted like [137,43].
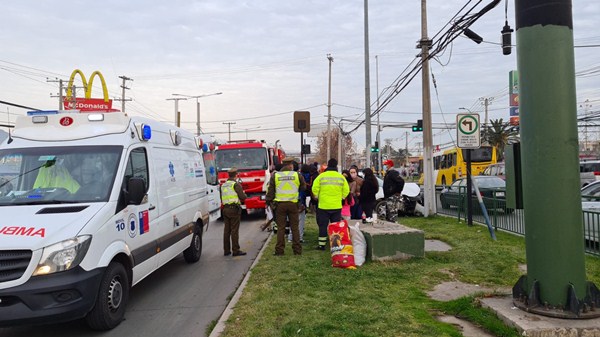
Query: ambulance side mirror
[136,190]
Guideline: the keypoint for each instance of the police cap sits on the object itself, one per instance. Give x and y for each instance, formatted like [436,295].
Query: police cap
[232,171]
[287,160]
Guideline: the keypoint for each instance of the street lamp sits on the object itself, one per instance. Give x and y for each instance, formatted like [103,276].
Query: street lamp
[177,121]
[197,107]
[463,108]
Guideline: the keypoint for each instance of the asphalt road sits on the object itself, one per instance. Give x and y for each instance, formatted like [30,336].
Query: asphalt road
[179,299]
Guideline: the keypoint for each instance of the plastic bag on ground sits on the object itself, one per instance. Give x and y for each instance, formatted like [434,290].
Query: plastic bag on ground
[359,244]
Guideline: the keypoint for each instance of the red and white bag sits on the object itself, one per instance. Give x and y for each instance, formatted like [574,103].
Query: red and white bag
[342,252]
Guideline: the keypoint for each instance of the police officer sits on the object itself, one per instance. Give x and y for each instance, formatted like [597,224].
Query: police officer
[232,195]
[282,195]
[329,188]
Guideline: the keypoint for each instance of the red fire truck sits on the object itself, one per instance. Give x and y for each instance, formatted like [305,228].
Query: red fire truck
[255,160]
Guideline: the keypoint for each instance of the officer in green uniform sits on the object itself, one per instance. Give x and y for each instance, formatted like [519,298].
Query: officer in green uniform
[282,195]
[232,195]
[329,188]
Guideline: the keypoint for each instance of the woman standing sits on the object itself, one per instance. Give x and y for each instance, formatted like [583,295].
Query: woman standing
[356,210]
[348,201]
[368,190]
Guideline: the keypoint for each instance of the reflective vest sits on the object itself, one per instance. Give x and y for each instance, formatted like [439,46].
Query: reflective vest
[56,176]
[228,193]
[330,187]
[286,186]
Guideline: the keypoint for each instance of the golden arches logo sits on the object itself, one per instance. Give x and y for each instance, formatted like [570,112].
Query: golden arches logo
[87,103]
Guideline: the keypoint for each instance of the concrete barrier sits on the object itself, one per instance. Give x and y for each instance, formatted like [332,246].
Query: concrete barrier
[388,241]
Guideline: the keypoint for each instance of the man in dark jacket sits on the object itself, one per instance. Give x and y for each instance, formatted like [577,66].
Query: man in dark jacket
[393,184]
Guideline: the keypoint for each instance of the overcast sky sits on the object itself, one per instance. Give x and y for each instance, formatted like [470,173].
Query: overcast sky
[268,58]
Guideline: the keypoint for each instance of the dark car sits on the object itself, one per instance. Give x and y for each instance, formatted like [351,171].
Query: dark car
[491,188]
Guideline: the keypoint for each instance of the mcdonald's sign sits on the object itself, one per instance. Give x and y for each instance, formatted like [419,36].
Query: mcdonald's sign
[87,103]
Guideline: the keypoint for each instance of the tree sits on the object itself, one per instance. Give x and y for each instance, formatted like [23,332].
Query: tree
[499,134]
[399,156]
[348,148]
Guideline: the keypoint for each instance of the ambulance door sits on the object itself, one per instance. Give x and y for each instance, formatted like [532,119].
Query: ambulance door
[138,221]
[214,192]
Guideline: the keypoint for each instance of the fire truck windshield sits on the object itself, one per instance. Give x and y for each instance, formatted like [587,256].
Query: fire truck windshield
[243,159]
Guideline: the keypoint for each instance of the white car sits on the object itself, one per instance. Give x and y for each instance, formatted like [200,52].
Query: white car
[589,172]
[590,203]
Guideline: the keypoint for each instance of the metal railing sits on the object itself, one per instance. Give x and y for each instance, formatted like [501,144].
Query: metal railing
[513,220]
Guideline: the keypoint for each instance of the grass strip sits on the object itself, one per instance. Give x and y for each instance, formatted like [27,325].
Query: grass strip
[304,296]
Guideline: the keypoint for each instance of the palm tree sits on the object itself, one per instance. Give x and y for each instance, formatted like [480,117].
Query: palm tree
[499,134]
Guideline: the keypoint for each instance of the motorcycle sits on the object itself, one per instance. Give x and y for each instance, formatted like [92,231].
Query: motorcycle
[407,203]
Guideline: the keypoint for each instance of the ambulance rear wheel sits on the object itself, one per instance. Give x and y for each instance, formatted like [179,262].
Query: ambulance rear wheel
[194,251]
[113,295]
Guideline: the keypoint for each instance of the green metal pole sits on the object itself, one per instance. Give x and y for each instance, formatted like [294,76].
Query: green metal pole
[550,156]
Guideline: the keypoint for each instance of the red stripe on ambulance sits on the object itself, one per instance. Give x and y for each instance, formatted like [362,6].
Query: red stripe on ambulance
[23,231]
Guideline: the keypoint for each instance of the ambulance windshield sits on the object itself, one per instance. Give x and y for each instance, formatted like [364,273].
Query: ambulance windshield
[244,159]
[55,175]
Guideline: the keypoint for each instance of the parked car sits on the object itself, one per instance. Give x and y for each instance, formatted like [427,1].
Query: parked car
[589,172]
[590,204]
[491,188]
[495,170]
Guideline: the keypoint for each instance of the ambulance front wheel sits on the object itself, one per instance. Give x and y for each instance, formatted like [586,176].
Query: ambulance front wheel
[113,295]
[194,251]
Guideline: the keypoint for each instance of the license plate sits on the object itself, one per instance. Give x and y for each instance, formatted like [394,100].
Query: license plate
[499,194]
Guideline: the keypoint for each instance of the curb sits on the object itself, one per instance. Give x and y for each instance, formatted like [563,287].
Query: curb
[220,326]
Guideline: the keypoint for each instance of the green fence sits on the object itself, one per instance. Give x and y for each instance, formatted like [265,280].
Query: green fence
[513,220]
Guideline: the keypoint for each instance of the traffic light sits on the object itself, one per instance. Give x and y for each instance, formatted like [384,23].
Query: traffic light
[375,148]
[418,127]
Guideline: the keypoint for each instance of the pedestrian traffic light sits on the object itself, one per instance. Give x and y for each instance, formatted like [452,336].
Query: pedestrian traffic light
[418,127]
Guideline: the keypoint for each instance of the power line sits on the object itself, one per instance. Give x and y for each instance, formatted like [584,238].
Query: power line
[19,106]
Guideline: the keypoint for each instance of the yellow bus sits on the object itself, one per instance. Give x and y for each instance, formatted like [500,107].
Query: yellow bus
[450,164]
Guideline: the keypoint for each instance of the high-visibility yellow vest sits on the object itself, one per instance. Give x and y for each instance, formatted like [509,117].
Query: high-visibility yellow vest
[56,176]
[228,193]
[330,187]
[287,184]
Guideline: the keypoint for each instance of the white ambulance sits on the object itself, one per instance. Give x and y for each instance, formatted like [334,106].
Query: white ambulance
[90,204]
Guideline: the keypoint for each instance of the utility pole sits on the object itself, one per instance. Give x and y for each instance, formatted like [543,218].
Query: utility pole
[367,89]
[328,152]
[60,96]
[586,107]
[378,136]
[486,102]
[74,97]
[229,127]
[555,284]
[339,156]
[406,150]
[198,129]
[425,44]
[124,87]
[177,121]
